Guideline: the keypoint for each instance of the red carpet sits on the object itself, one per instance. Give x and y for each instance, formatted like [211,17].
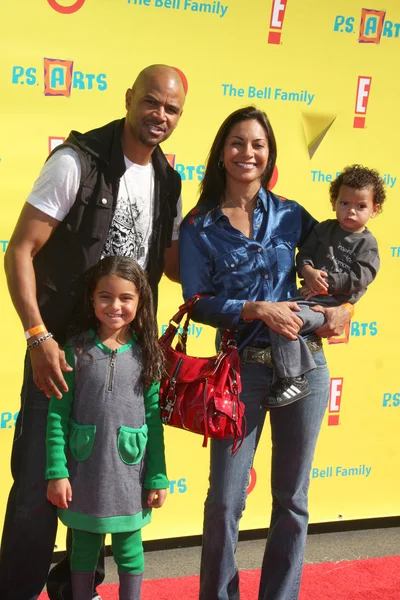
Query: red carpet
[371,579]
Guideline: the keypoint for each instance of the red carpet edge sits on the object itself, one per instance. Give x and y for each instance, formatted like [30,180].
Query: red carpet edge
[369,579]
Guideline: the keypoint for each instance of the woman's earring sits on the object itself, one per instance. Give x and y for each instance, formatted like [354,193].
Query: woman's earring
[220,164]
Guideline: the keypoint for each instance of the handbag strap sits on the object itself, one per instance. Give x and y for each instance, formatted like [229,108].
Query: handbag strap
[174,323]
[187,309]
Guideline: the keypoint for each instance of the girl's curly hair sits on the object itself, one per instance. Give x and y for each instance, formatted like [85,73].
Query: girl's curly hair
[359,177]
[144,324]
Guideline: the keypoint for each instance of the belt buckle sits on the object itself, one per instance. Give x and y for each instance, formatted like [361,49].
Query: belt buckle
[314,345]
[259,355]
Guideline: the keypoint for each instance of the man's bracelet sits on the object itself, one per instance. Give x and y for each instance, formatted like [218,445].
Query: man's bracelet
[39,340]
[35,330]
[350,308]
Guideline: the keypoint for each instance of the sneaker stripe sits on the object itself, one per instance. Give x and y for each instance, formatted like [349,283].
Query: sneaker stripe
[291,392]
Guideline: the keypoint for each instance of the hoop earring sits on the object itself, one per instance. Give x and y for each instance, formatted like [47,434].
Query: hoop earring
[220,164]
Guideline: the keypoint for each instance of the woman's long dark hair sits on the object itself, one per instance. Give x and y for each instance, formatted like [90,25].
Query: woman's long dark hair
[144,325]
[212,187]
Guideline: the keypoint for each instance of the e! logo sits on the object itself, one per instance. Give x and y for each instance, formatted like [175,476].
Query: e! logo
[253,481]
[66,10]
[274,178]
[183,78]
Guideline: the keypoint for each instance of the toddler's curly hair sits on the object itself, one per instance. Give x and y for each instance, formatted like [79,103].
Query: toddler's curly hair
[359,177]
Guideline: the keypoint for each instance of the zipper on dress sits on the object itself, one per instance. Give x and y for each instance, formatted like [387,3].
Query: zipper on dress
[112,365]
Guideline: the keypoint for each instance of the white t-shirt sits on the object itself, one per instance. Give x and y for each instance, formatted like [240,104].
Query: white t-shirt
[54,193]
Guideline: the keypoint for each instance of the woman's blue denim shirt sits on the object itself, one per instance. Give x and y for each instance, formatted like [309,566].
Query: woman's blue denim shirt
[218,261]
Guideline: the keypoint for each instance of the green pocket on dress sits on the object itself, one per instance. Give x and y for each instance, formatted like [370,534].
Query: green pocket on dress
[81,440]
[132,444]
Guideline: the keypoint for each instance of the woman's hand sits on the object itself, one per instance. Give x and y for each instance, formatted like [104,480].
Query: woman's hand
[59,492]
[315,280]
[279,316]
[156,498]
[336,319]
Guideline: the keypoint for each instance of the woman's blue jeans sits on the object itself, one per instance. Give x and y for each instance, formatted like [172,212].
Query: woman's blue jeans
[295,430]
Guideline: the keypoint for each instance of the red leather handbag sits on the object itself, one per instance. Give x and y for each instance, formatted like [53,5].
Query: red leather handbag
[201,394]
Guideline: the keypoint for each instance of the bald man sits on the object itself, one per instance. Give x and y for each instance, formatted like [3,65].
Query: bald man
[109,191]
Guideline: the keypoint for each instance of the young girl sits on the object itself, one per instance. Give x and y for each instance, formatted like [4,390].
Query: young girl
[105,449]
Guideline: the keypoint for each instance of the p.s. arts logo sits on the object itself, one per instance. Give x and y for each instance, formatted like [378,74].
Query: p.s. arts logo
[362,96]
[196,172]
[68,8]
[54,142]
[356,329]
[278,10]
[177,486]
[59,77]
[341,338]
[7,420]
[373,25]
[391,400]
[335,399]
[187,172]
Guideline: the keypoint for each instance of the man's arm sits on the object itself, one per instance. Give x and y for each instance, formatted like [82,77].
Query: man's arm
[32,231]
[171,262]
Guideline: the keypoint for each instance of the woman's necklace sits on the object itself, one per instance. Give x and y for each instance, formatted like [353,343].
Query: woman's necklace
[228,202]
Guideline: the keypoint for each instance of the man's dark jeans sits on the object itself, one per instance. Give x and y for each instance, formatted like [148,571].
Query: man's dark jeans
[31,521]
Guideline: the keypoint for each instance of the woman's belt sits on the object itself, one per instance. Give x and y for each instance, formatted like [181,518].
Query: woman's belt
[263,356]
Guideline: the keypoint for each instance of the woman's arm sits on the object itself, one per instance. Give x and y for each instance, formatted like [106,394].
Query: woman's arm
[196,278]
[336,317]
[279,316]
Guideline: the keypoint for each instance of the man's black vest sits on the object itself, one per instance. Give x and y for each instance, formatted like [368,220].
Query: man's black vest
[77,243]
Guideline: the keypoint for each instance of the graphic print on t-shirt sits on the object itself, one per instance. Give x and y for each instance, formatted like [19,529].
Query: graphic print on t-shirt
[131,229]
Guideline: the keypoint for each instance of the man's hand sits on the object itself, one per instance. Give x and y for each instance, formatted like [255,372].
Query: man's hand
[279,316]
[59,492]
[156,498]
[336,319]
[48,362]
[315,280]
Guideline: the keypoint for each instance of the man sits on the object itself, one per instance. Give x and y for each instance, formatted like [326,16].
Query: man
[106,192]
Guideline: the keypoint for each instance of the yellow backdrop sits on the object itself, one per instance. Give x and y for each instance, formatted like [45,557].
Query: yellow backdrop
[326,74]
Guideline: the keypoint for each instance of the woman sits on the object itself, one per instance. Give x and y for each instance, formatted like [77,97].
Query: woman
[237,247]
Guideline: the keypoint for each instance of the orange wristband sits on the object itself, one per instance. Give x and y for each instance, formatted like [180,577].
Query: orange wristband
[350,308]
[38,329]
